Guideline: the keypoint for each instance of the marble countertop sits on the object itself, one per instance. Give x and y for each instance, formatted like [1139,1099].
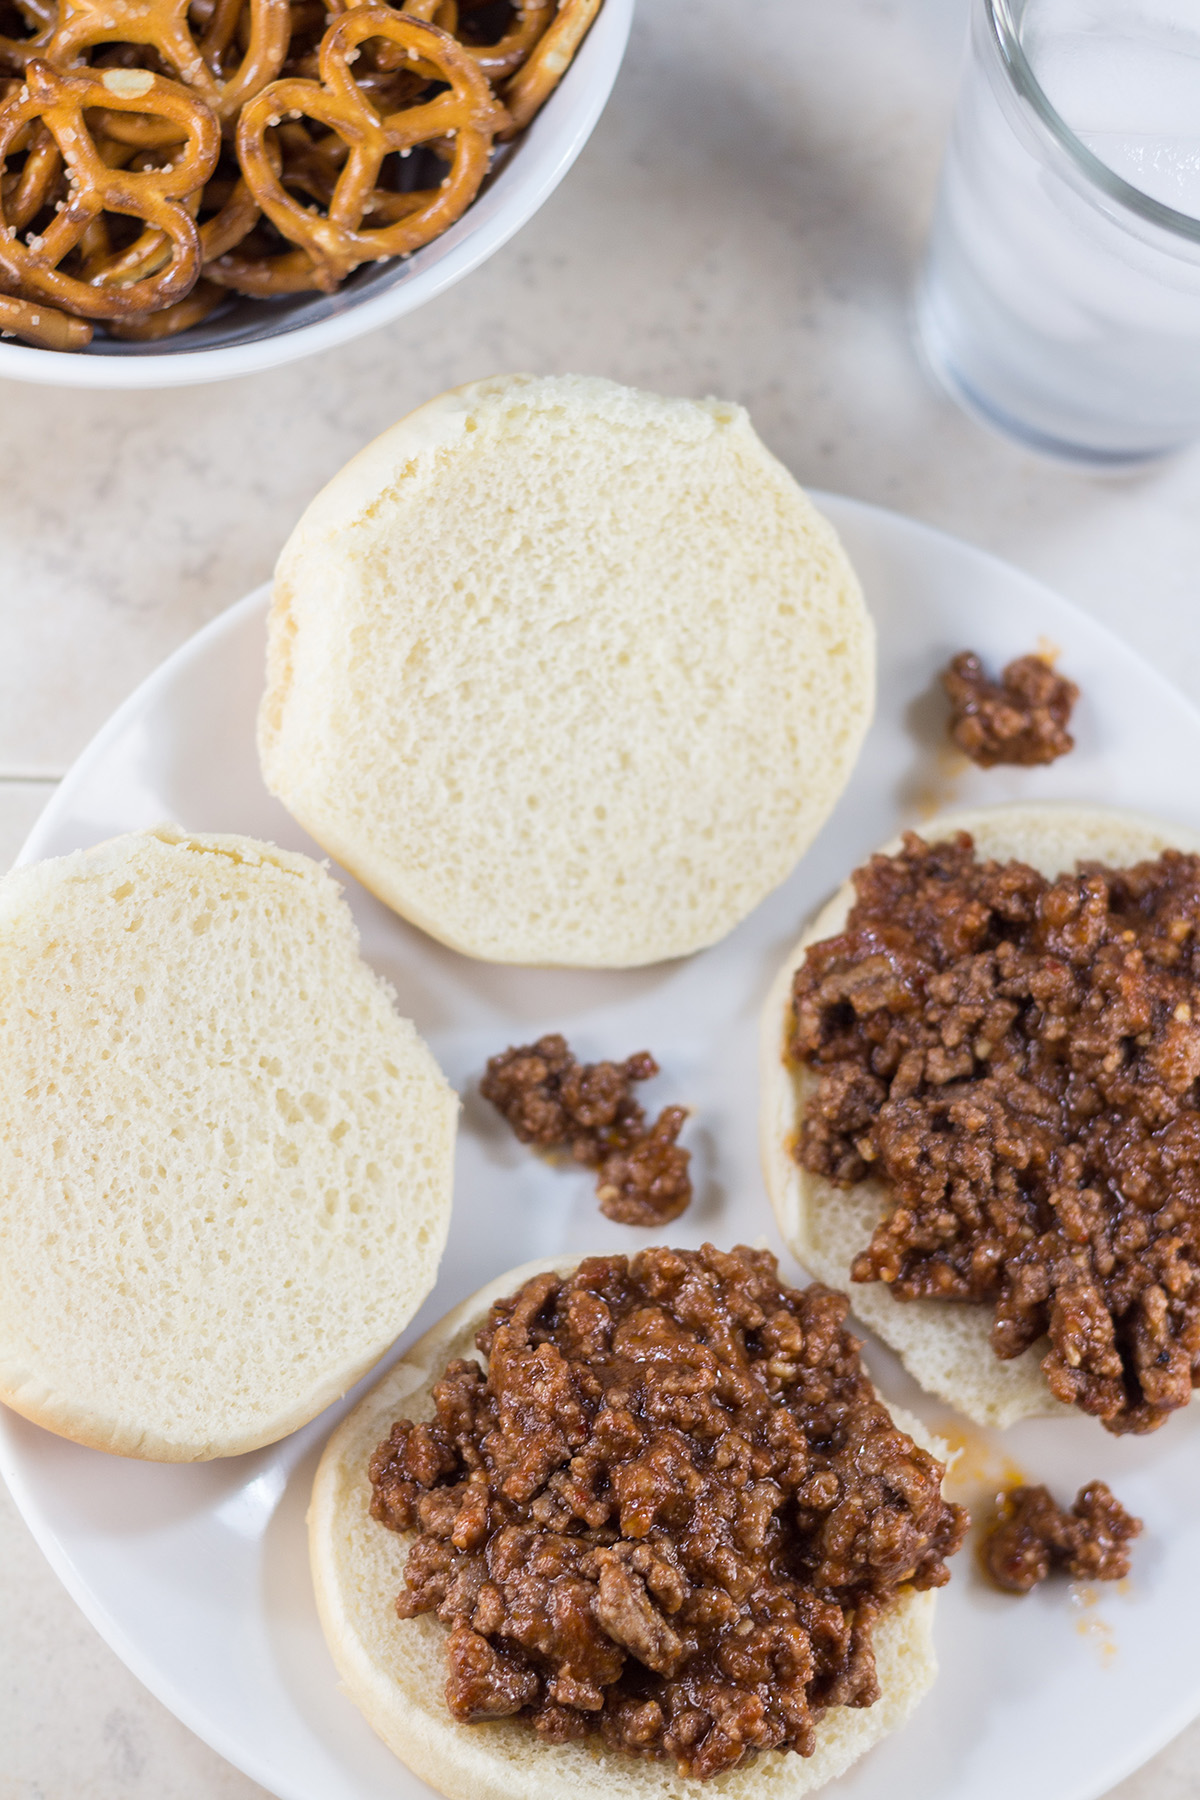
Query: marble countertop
[744,222]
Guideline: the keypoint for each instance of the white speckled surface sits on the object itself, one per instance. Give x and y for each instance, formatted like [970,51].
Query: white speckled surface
[744,222]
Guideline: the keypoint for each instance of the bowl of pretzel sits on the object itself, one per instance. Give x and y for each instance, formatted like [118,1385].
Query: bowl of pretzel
[196,189]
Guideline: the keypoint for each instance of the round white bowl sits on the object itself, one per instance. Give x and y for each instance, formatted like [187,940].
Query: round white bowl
[255,334]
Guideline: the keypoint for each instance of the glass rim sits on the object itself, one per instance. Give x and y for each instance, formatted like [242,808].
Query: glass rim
[1020,72]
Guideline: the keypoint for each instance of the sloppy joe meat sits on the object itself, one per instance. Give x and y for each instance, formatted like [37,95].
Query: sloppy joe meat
[1022,718]
[669,1513]
[555,1102]
[1032,1535]
[1016,1059]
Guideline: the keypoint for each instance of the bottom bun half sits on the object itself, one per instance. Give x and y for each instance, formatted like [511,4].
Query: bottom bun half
[394,1669]
[945,1346]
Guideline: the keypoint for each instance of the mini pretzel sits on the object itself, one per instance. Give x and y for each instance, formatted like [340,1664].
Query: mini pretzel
[150,327]
[42,325]
[312,167]
[468,114]
[528,91]
[497,60]
[265,276]
[163,263]
[162,25]
[506,55]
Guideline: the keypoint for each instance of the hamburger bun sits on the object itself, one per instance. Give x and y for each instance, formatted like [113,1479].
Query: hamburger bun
[946,1347]
[565,673]
[225,1160]
[394,1669]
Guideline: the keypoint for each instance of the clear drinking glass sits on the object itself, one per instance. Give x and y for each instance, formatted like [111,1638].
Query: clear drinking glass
[1060,298]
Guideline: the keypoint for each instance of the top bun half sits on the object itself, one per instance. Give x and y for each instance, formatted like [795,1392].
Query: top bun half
[565,673]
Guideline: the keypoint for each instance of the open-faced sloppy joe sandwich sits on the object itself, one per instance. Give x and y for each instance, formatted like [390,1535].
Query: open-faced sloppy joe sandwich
[658,1525]
[983,1110]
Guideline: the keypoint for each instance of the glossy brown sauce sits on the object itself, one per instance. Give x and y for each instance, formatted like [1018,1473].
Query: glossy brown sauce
[554,1102]
[1032,1535]
[1022,718]
[1016,1059]
[669,1513]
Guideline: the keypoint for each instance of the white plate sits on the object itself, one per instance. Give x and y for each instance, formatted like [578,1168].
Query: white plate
[198,1576]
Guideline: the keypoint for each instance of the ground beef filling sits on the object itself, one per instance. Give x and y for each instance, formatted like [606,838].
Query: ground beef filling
[1017,1058]
[588,1109]
[1032,1535]
[1022,718]
[669,1513]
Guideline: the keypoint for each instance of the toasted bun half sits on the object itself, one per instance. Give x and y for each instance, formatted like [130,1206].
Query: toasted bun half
[565,673]
[225,1160]
[945,1347]
[394,1669]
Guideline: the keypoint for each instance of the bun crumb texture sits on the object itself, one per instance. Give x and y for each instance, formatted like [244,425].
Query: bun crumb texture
[225,1159]
[564,672]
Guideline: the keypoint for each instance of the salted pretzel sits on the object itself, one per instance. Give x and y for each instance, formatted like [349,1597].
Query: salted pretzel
[498,60]
[232,214]
[504,57]
[42,325]
[163,262]
[163,26]
[180,316]
[531,87]
[443,13]
[336,242]
[113,206]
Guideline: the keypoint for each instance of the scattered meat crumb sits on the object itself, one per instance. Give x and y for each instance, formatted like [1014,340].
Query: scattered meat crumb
[555,1102]
[1034,1535]
[1021,719]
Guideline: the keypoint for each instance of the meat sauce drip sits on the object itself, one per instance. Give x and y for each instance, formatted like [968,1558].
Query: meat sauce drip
[669,1513]
[1022,718]
[555,1102]
[1016,1059]
[1033,1535]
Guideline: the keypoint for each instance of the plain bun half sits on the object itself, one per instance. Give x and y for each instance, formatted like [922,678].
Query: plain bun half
[565,673]
[225,1159]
